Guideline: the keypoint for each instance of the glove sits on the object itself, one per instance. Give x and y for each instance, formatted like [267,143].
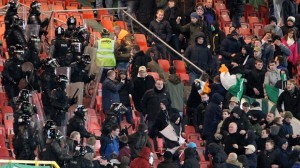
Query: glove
[73,101]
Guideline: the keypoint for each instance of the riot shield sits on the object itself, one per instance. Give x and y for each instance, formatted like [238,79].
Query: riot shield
[38,119]
[32,29]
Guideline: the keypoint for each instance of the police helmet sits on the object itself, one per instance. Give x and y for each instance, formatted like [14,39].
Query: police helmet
[71,21]
[24,119]
[81,30]
[80,110]
[86,59]
[49,124]
[24,95]
[35,38]
[62,78]
[12,5]
[105,33]
[26,108]
[35,7]
[52,62]
[59,31]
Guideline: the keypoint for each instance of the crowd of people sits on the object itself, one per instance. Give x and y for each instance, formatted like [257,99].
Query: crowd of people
[233,133]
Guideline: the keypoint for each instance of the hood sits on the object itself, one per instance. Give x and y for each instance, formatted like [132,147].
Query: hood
[200,34]
[213,148]
[166,102]
[216,26]
[145,153]
[217,98]
[237,110]
[189,153]
[173,78]
[251,136]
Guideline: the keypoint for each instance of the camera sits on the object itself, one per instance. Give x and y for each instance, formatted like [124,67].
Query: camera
[117,109]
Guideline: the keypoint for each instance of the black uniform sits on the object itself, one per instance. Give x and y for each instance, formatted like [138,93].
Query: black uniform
[79,72]
[54,152]
[9,16]
[15,35]
[34,18]
[60,47]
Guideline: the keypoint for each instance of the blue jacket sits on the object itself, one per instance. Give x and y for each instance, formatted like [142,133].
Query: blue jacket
[109,146]
[252,160]
[110,93]
[285,129]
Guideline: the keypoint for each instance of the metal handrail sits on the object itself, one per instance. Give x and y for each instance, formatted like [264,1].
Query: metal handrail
[166,44]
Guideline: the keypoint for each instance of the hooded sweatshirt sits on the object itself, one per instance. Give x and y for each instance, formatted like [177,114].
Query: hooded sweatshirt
[176,89]
[143,160]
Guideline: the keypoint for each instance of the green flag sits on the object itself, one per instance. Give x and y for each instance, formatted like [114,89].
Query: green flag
[273,93]
[237,90]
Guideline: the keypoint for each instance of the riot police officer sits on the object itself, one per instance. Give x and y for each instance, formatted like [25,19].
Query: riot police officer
[76,123]
[23,108]
[24,142]
[79,159]
[33,50]
[34,18]
[83,35]
[59,45]
[47,83]
[12,72]
[71,22]
[59,100]
[53,149]
[11,12]
[15,34]
[79,72]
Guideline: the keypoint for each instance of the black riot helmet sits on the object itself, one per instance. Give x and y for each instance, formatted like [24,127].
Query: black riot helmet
[24,95]
[12,5]
[24,119]
[86,59]
[59,31]
[35,8]
[49,124]
[80,111]
[51,63]
[71,22]
[62,78]
[27,108]
[19,52]
[17,22]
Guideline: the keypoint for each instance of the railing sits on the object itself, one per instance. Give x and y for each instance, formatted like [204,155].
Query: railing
[32,162]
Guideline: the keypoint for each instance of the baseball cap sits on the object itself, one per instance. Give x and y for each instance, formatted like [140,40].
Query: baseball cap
[234,99]
[251,147]
[142,68]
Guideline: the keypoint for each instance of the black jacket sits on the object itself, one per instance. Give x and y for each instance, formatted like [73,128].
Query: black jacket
[252,160]
[229,46]
[235,138]
[140,86]
[161,29]
[291,102]
[216,38]
[255,79]
[267,158]
[139,59]
[151,100]
[218,155]
[289,8]
[190,161]
[77,124]
[199,54]
[167,164]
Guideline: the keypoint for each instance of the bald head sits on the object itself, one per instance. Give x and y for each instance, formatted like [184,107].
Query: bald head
[232,156]
[232,128]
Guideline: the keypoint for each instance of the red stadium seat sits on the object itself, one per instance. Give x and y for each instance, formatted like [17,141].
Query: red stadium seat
[155,75]
[180,66]
[164,64]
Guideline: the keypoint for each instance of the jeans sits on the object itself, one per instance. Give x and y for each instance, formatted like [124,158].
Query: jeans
[108,4]
[128,4]
[128,115]
[160,50]
[193,76]
[122,65]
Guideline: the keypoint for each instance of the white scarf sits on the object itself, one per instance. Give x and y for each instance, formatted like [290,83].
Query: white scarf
[290,41]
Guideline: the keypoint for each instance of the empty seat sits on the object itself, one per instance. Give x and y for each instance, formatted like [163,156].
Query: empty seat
[218,7]
[180,66]
[164,64]
[108,24]
[245,31]
[88,14]
[101,12]
[155,75]
[253,20]
[185,78]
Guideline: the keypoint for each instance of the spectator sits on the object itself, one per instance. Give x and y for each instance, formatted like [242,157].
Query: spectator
[246,108]
[168,161]
[286,130]
[151,102]
[163,30]
[218,135]
[200,9]
[176,89]
[273,27]
[233,102]
[272,76]
[124,92]
[269,157]
[124,147]
[232,162]
[235,67]
[251,156]
[282,83]
[209,13]
[236,9]
[234,140]
[138,59]
[143,160]
[255,80]
[145,11]
[110,89]
[203,60]
[284,152]
[193,28]
[110,143]
[245,54]
[267,48]
[289,8]
[230,47]
[243,159]
[216,87]
[291,41]
[138,140]
[290,99]
[218,155]
[269,121]
[212,117]
[261,141]
[189,159]
[141,84]
[250,63]
[281,49]
[297,164]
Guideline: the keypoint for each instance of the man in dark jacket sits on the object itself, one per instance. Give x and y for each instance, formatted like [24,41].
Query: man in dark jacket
[289,8]
[168,162]
[218,154]
[200,55]
[230,46]
[209,13]
[233,142]
[138,59]
[151,102]
[290,98]
[255,80]
[269,156]
[110,88]
[141,84]
[212,116]
[251,156]
[163,30]
[236,8]
[190,160]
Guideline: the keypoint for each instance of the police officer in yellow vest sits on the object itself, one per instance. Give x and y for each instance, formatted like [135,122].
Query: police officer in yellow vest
[105,51]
